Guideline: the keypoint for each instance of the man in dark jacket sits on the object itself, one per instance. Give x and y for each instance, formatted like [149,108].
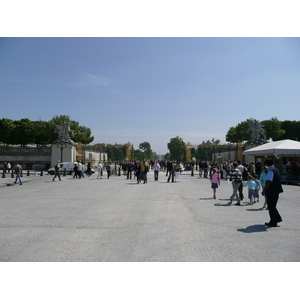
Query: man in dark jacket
[57,167]
[272,190]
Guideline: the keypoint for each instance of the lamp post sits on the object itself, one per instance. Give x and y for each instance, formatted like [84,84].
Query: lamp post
[62,144]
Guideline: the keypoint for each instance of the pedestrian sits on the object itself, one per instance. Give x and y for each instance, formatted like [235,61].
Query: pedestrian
[177,171]
[89,169]
[107,170]
[99,169]
[8,167]
[251,188]
[235,176]
[57,167]
[144,171]
[79,169]
[205,168]
[129,169]
[245,174]
[272,190]
[262,181]
[137,171]
[18,172]
[75,170]
[170,168]
[215,181]
[156,168]
[257,188]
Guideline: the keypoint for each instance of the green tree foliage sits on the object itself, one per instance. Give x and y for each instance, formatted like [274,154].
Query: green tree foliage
[81,134]
[273,129]
[145,147]
[241,132]
[177,148]
[7,127]
[23,132]
[292,130]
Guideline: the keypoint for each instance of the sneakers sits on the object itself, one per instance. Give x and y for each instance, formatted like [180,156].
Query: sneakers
[238,203]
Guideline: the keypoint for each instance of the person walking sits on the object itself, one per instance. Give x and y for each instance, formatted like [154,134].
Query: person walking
[137,171]
[57,167]
[177,171]
[215,182]
[18,172]
[108,170]
[145,170]
[262,181]
[156,168]
[235,176]
[170,168]
[99,169]
[251,188]
[272,190]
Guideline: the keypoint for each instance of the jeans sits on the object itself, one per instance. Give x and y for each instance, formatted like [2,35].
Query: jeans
[235,194]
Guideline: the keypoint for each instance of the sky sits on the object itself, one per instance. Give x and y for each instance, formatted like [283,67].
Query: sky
[151,89]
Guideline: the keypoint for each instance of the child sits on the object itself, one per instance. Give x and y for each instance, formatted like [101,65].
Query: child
[262,180]
[251,188]
[215,180]
[257,188]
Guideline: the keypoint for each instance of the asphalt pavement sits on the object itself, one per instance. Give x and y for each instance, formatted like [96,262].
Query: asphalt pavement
[118,220]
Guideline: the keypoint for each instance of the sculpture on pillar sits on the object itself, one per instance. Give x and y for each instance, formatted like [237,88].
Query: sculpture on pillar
[63,132]
[258,133]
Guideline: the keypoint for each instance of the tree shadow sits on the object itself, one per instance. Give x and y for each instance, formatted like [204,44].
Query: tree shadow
[211,198]
[253,228]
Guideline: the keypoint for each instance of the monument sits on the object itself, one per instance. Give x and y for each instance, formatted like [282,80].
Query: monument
[258,133]
[64,142]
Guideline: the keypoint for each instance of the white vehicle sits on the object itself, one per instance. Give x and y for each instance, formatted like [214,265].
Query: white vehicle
[69,166]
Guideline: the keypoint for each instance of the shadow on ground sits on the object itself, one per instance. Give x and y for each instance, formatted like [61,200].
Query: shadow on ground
[253,228]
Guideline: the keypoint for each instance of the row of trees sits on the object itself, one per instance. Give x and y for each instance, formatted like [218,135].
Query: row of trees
[25,132]
[117,152]
[275,130]
[177,148]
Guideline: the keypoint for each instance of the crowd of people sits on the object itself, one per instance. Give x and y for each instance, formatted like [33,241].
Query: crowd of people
[255,177]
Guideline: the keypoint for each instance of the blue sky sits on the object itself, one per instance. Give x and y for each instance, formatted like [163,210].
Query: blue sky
[151,89]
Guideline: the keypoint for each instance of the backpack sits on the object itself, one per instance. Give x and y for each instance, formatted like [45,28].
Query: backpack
[245,174]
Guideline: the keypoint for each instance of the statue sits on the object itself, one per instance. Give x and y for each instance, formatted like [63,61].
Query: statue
[258,133]
[63,132]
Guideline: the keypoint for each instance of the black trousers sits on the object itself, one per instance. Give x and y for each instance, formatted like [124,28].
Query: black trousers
[273,212]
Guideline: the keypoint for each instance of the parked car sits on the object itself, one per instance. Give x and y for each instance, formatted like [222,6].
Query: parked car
[69,166]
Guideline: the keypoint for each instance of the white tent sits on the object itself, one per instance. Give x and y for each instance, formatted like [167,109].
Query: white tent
[278,149]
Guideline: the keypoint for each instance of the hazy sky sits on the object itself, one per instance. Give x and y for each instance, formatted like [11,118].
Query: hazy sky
[151,89]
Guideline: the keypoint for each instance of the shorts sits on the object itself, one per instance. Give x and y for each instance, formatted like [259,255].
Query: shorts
[214,185]
[251,194]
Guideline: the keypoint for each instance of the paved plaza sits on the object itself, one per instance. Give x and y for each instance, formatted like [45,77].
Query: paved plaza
[118,220]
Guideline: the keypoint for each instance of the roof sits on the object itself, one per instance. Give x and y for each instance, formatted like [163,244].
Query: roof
[278,148]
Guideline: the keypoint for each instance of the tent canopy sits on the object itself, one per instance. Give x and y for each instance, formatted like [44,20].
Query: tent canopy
[278,148]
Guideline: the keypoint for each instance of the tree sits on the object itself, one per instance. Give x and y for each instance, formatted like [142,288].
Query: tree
[273,128]
[146,149]
[292,130]
[177,148]
[7,127]
[23,132]
[239,133]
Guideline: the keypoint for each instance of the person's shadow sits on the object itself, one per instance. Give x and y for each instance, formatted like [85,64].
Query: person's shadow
[253,228]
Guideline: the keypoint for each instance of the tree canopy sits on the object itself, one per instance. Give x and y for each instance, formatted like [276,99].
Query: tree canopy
[241,132]
[26,132]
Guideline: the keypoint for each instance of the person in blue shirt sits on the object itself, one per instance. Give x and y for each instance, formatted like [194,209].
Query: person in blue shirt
[272,190]
[251,188]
